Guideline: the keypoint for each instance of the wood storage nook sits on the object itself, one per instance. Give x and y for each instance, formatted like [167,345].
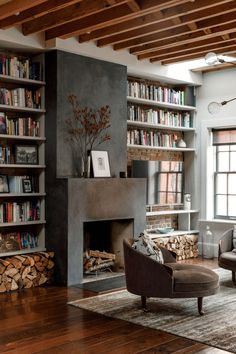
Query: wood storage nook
[26,271]
[185,246]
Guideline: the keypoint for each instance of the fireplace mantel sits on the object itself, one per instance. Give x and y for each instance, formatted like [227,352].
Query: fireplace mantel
[100,199]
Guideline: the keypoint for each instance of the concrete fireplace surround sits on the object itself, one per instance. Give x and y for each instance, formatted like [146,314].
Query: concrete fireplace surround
[100,199]
[71,201]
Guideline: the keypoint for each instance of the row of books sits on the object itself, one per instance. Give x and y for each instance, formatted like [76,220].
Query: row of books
[19,154]
[20,67]
[14,241]
[152,138]
[25,126]
[20,97]
[19,211]
[159,116]
[156,93]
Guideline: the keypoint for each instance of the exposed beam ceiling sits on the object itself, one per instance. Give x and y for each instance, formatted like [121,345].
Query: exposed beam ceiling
[165,31]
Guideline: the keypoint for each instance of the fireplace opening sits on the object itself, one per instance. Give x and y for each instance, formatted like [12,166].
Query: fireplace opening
[103,247]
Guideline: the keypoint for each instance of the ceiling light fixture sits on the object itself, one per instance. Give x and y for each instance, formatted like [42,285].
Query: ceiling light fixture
[214,107]
[212,59]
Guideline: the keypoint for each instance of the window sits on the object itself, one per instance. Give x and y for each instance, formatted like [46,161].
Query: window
[164,180]
[224,142]
[170,182]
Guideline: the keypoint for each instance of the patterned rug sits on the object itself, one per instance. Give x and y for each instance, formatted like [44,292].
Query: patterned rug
[216,328]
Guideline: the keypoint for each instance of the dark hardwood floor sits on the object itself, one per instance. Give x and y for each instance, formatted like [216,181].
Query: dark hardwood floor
[38,320]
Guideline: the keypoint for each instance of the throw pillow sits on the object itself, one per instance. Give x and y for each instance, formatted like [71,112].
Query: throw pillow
[148,247]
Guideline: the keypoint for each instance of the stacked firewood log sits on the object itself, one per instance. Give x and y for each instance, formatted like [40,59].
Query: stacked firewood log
[185,246]
[26,271]
[97,260]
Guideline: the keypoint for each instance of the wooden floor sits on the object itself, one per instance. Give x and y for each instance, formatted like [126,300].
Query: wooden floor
[39,320]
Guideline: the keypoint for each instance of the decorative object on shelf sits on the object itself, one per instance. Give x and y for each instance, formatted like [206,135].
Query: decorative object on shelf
[87,129]
[181,143]
[100,163]
[26,185]
[26,154]
[3,127]
[187,201]
[165,230]
[4,186]
[207,244]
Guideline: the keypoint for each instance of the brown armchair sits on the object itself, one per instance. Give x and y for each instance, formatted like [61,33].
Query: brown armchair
[148,278]
[226,256]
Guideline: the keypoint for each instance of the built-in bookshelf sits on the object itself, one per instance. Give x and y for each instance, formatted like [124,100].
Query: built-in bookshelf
[161,118]
[22,154]
[158,116]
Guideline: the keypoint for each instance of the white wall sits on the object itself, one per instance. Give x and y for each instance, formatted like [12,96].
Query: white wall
[13,39]
[217,86]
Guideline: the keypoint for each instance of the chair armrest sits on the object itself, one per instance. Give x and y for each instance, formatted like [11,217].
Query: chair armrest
[168,256]
[144,275]
[226,241]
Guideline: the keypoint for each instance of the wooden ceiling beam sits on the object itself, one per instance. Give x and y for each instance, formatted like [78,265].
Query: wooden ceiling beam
[35,12]
[152,18]
[172,39]
[107,17]
[68,14]
[15,7]
[133,5]
[167,23]
[194,54]
[189,47]
[164,27]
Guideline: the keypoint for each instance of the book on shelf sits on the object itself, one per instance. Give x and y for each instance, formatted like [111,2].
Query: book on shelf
[19,211]
[15,241]
[155,92]
[24,68]
[159,116]
[152,138]
[20,97]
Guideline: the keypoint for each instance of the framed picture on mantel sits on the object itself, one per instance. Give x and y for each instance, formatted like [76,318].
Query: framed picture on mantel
[100,164]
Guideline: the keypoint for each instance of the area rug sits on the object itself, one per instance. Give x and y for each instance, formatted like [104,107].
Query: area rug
[216,328]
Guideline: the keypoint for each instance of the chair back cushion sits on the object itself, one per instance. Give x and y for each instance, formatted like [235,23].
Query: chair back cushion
[145,245]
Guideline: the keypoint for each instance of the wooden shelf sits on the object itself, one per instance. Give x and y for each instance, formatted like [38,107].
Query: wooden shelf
[154,235]
[18,80]
[22,223]
[24,137]
[6,107]
[8,165]
[173,106]
[9,195]
[23,251]
[158,126]
[160,148]
[170,212]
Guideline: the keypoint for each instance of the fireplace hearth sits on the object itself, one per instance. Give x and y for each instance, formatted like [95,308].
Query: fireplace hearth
[103,246]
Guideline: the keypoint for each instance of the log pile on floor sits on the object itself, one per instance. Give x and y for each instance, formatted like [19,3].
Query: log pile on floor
[26,271]
[97,260]
[185,246]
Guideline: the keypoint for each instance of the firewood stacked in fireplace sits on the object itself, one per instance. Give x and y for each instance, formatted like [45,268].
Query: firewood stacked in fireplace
[97,260]
[26,271]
